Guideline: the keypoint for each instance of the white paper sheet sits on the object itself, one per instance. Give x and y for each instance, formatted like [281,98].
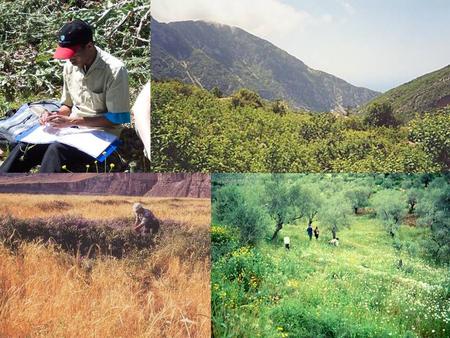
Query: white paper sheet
[91,141]
[141,111]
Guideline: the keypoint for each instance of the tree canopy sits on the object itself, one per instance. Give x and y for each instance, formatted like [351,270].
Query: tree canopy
[390,207]
[193,130]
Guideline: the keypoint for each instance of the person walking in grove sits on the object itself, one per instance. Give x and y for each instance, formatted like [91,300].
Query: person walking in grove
[287,243]
[309,230]
[146,222]
[316,232]
[95,95]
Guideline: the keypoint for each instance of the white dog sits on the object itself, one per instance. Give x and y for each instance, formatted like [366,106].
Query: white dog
[334,241]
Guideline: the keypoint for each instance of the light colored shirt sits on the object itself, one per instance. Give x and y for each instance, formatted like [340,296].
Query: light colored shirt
[145,216]
[286,240]
[101,91]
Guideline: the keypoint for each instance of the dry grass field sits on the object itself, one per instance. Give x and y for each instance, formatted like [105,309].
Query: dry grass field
[45,291]
[192,211]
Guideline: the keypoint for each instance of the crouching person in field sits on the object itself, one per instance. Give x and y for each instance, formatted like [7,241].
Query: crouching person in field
[334,241]
[146,222]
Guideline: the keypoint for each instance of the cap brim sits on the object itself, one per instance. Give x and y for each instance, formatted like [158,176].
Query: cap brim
[65,52]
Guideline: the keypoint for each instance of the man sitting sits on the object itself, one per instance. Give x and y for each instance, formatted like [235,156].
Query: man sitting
[95,94]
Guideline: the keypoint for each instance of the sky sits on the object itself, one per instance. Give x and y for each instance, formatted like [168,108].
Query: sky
[377,44]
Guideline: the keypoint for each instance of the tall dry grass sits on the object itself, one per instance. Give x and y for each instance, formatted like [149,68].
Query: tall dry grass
[47,292]
[181,210]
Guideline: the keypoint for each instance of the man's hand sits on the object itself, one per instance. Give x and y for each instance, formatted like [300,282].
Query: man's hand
[63,111]
[44,117]
[137,228]
[61,121]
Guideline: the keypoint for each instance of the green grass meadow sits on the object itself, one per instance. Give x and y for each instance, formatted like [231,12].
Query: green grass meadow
[317,290]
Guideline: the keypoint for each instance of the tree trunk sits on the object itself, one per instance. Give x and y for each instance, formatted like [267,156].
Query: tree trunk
[333,230]
[392,233]
[356,210]
[411,208]
[310,222]
[277,229]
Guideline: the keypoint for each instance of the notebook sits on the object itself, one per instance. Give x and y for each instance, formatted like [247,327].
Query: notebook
[94,142]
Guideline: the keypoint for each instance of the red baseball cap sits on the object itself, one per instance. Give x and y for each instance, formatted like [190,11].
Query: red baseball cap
[70,38]
[64,53]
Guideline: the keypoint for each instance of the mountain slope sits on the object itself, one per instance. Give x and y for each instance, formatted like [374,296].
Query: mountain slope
[428,92]
[213,55]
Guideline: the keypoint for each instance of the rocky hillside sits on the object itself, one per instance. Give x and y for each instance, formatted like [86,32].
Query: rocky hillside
[213,55]
[157,185]
[428,92]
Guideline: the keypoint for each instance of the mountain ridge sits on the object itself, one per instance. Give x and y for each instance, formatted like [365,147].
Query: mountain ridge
[428,92]
[229,58]
[194,185]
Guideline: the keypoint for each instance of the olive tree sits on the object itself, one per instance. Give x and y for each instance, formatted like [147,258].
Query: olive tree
[433,209]
[390,207]
[358,197]
[412,197]
[310,201]
[282,201]
[413,186]
[335,214]
[225,202]
[234,206]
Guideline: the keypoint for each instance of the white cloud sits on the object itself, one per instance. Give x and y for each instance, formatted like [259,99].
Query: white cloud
[265,18]
[348,8]
[337,36]
[327,18]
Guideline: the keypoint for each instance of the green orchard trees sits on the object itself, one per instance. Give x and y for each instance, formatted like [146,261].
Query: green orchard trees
[310,202]
[279,107]
[412,197]
[432,133]
[193,130]
[433,209]
[281,200]
[245,97]
[358,197]
[335,213]
[390,207]
[381,114]
[235,207]
[226,200]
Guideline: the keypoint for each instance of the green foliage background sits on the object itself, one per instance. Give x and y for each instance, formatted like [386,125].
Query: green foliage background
[193,130]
